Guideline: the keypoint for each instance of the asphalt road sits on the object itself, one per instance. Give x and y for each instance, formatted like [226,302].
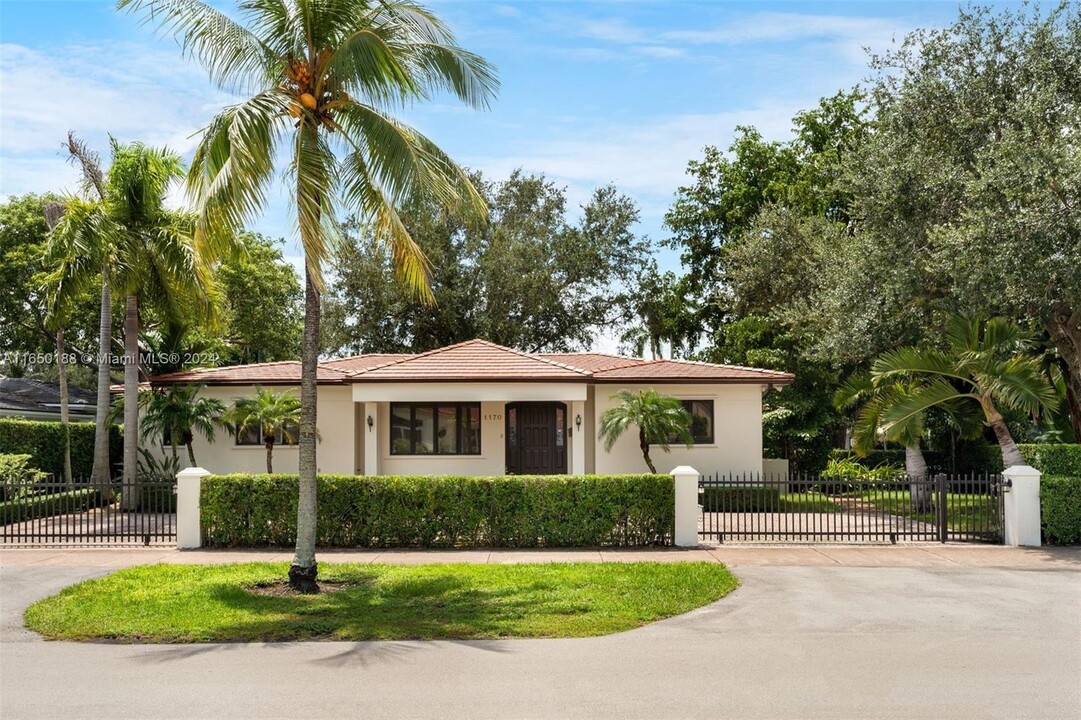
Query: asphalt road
[793,642]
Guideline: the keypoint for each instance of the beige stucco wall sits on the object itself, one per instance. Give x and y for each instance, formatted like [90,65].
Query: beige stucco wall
[335,453]
[345,436]
[491,461]
[737,417]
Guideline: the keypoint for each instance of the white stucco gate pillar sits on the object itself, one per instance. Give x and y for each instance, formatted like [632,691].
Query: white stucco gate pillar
[371,438]
[1021,506]
[687,511]
[189,486]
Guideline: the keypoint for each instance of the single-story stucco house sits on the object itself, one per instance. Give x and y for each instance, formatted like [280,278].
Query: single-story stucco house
[477,408]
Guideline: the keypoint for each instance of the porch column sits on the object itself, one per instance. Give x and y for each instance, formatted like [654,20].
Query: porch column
[371,438]
[578,437]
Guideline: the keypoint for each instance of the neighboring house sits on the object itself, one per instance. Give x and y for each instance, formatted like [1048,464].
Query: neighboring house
[37,400]
[477,408]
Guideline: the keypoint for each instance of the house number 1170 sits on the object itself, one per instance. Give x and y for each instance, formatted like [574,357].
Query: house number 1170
[493,417]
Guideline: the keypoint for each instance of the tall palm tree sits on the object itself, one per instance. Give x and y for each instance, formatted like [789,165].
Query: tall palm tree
[323,78]
[178,413]
[99,263]
[659,418]
[984,363]
[149,253]
[271,413]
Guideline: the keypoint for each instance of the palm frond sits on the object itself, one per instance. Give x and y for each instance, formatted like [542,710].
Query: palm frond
[232,168]
[916,362]
[904,409]
[234,57]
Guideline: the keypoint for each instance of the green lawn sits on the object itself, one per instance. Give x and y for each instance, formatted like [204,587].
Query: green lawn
[198,603]
[808,502]
[964,512]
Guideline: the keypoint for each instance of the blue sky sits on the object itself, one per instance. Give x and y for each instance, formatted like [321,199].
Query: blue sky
[592,92]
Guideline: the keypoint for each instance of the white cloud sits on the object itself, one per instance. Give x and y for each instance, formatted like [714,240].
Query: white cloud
[647,159]
[790,27]
[127,90]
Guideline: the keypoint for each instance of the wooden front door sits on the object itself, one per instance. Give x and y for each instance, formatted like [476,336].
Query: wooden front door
[536,438]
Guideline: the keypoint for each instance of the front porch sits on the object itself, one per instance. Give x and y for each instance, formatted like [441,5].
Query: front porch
[471,428]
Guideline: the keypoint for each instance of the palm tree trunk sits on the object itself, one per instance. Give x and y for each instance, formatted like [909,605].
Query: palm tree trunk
[100,474]
[191,454]
[644,444]
[270,456]
[304,570]
[64,418]
[916,469]
[1011,455]
[131,403]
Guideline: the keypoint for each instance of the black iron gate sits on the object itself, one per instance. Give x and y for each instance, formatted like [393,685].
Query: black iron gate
[55,513]
[814,508]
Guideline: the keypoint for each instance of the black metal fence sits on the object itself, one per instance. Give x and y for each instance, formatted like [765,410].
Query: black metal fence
[56,513]
[816,508]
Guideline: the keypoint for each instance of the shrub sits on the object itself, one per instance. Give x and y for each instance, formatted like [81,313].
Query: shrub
[43,441]
[1060,507]
[741,499]
[443,511]
[1053,459]
[16,475]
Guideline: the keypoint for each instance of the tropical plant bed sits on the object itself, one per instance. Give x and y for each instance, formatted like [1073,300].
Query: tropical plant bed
[244,603]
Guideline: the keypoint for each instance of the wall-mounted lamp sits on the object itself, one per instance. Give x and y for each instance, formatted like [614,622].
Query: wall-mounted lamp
[578,421]
[371,423]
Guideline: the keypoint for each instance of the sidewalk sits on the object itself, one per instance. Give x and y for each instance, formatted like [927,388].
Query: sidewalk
[972,556]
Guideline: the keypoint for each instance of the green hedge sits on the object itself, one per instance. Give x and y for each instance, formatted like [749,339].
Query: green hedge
[42,506]
[43,441]
[967,457]
[1060,507]
[1054,459]
[443,511]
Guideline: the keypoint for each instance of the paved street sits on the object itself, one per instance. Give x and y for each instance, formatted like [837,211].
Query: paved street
[997,634]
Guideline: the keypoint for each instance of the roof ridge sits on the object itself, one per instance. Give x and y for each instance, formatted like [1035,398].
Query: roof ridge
[408,358]
[474,341]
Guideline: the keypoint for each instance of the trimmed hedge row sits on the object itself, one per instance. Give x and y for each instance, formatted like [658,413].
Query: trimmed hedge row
[968,457]
[443,511]
[1060,509]
[1056,459]
[43,441]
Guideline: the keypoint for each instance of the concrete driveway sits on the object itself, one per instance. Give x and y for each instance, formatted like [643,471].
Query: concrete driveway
[793,642]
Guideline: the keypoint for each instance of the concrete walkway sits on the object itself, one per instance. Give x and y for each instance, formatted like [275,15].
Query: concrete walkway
[931,555]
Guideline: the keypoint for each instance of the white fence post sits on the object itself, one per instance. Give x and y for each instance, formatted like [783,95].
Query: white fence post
[687,511]
[189,484]
[1021,506]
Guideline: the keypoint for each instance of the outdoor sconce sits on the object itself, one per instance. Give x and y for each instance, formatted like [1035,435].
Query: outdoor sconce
[371,423]
[578,421]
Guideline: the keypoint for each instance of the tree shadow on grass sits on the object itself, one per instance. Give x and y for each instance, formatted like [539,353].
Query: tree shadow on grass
[440,607]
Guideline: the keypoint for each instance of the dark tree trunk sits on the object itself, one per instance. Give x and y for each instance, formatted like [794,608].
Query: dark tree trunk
[1065,331]
[642,443]
[269,456]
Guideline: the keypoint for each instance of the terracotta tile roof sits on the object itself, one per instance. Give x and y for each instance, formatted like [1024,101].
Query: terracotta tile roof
[474,361]
[286,372]
[482,361]
[362,362]
[591,361]
[688,371]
